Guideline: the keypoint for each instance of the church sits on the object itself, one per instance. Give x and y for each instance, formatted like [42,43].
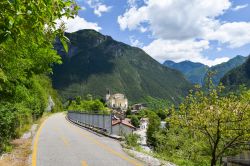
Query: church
[117,101]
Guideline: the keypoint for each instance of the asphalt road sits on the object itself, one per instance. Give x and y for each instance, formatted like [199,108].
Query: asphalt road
[61,143]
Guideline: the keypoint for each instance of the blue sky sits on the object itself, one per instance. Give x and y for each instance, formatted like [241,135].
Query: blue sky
[207,31]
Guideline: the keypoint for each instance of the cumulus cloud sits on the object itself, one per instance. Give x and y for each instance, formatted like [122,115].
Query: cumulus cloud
[182,29]
[132,19]
[172,19]
[181,50]
[235,34]
[132,3]
[98,7]
[77,23]
[239,7]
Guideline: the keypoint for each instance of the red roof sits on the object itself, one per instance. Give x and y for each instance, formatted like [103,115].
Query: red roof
[124,122]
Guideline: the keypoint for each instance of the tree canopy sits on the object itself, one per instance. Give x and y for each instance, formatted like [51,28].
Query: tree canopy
[28,31]
[209,125]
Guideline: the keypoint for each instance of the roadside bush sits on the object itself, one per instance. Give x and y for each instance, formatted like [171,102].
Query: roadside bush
[92,106]
[132,140]
[135,121]
[27,103]
[27,57]
[7,125]
[153,127]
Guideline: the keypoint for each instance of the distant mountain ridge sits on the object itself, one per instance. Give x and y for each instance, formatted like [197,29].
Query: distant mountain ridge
[193,71]
[96,63]
[196,73]
[238,76]
[221,69]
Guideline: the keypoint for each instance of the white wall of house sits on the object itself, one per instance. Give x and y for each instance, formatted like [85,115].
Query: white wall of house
[121,129]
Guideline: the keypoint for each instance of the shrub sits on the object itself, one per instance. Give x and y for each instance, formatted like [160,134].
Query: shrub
[132,140]
[135,121]
[153,127]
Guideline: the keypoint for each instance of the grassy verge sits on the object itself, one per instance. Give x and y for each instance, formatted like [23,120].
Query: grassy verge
[21,148]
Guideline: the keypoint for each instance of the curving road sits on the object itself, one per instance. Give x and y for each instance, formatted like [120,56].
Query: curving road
[61,143]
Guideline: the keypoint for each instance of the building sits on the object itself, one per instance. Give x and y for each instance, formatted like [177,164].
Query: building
[122,127]
[136,108]
[117,101]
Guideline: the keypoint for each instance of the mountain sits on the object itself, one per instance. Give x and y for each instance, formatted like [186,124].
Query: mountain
[238,76]
[221,69]
[96,63]
[194,72]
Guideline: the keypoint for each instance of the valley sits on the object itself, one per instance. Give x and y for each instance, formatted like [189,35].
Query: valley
[134,82]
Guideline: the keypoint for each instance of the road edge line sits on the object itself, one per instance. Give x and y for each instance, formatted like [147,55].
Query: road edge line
[34,150]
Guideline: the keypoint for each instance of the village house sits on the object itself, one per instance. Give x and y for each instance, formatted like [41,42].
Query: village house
[136,108]
[122,127]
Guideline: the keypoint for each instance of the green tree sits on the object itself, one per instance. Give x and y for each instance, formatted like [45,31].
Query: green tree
[157,104]
[153,127]
[128,112]
[93,106]
[89,97]
[135,121]
[132,140]
[33,17]
[218,125]
[27,34]
[78,100]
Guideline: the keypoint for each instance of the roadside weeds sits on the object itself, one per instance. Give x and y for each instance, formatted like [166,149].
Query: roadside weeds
[22,147]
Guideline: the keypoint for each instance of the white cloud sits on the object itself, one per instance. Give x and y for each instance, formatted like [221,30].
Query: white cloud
[175,50]
[182,29]
[98,7]
[132,19]
[77,23]
[134,42]
[235,34]
[181,50]
[172,19]
[239,7]
[132,3]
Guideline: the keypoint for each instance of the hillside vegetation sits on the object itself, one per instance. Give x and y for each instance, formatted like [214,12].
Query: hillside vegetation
[221,69]
[194,72]
[97,63]
[238,76]
[26,58]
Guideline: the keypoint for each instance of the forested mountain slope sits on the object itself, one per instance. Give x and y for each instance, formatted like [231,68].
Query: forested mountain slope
[238,76]
[96,63]
[193,71]
[221,69]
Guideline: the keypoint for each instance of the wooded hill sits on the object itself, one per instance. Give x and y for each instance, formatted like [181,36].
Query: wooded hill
[96,63]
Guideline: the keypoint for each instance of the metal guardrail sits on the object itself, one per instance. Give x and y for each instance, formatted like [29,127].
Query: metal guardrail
[242,159]
[99,121]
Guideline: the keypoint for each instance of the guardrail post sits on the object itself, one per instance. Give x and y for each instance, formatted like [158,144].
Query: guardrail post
[103,122]
[111,124]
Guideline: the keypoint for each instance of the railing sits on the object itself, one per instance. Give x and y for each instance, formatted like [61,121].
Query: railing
[242,159]
[98,121]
